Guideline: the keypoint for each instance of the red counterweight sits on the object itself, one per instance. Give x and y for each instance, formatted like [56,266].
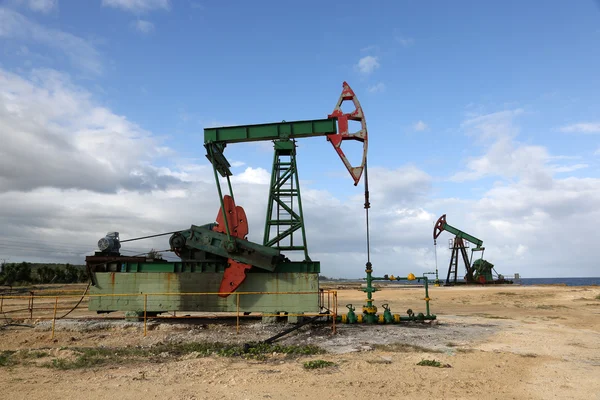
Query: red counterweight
[235,273]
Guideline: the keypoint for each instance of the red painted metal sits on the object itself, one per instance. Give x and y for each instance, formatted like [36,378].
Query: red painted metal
[343,133]
[235,273]
[439,227]
[236,219]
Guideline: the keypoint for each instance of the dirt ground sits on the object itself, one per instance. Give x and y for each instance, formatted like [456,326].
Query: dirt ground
[504,342]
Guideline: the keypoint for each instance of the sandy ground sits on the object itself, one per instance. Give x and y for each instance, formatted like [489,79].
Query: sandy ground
[505,342]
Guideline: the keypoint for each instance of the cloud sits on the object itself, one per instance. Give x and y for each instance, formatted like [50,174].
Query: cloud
[142,26]
[81,54]
[379,87]
[420,126]
[369,48]
[493,125]
[138,6]
[568,168]
[55,136]
[405,41]
[367,64]
[43,6]
[583,127]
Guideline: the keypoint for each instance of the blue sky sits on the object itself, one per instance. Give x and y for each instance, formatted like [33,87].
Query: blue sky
[431,77]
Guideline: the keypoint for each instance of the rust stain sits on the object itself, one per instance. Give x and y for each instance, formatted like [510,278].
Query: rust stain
[112,279]
[169,275]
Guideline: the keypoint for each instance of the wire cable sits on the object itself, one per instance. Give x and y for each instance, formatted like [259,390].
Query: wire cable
[147,237]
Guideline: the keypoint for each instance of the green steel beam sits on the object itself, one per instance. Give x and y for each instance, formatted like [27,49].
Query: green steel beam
[205,239]
[271,131]
[463,235]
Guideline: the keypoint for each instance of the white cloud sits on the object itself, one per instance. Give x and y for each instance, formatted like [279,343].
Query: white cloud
[405,41]
[420,126]
[15,26]
[379,87]
[568,168]
[367,64]
[57,137]
[44,6]
[143,26]
[493,125]
[138,5]
[369,48]
[505,157]
[582,127]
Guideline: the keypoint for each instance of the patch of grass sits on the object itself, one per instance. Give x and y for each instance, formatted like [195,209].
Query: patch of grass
[433,363]
[465,350]
[550,307]
[490,316]
[529,355]
[91,357]
[6,358]
[315,364]
[379,361]
[35,354]
[457,349]
[506,294]
[597,297]
[405,348]
[82,361]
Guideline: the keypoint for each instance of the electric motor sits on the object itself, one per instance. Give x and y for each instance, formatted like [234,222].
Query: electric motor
[110,243]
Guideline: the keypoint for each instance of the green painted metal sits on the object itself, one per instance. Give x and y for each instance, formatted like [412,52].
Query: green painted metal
[483,270]
[133,286]
[312,267]
[205,239]
[271,131]
[214,153]
[370,310]
[464,235]
[369,314]
[284,216]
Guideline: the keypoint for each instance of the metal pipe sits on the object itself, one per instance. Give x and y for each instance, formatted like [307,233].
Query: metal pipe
[220,197]
[230,188]
[145,312]
[237,327]
[54,319]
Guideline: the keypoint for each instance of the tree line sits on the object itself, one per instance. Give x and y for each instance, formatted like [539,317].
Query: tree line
[15,274]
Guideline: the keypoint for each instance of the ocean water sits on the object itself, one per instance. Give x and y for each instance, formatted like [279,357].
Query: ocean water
[561,281]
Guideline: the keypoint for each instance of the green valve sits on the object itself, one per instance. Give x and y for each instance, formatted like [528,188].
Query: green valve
[387,314]
[352,319]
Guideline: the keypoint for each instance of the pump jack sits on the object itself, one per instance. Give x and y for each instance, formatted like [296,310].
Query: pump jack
[479,271]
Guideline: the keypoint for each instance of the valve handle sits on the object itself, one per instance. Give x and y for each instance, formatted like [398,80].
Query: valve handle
[343,134]
[385,306]
[350,307]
